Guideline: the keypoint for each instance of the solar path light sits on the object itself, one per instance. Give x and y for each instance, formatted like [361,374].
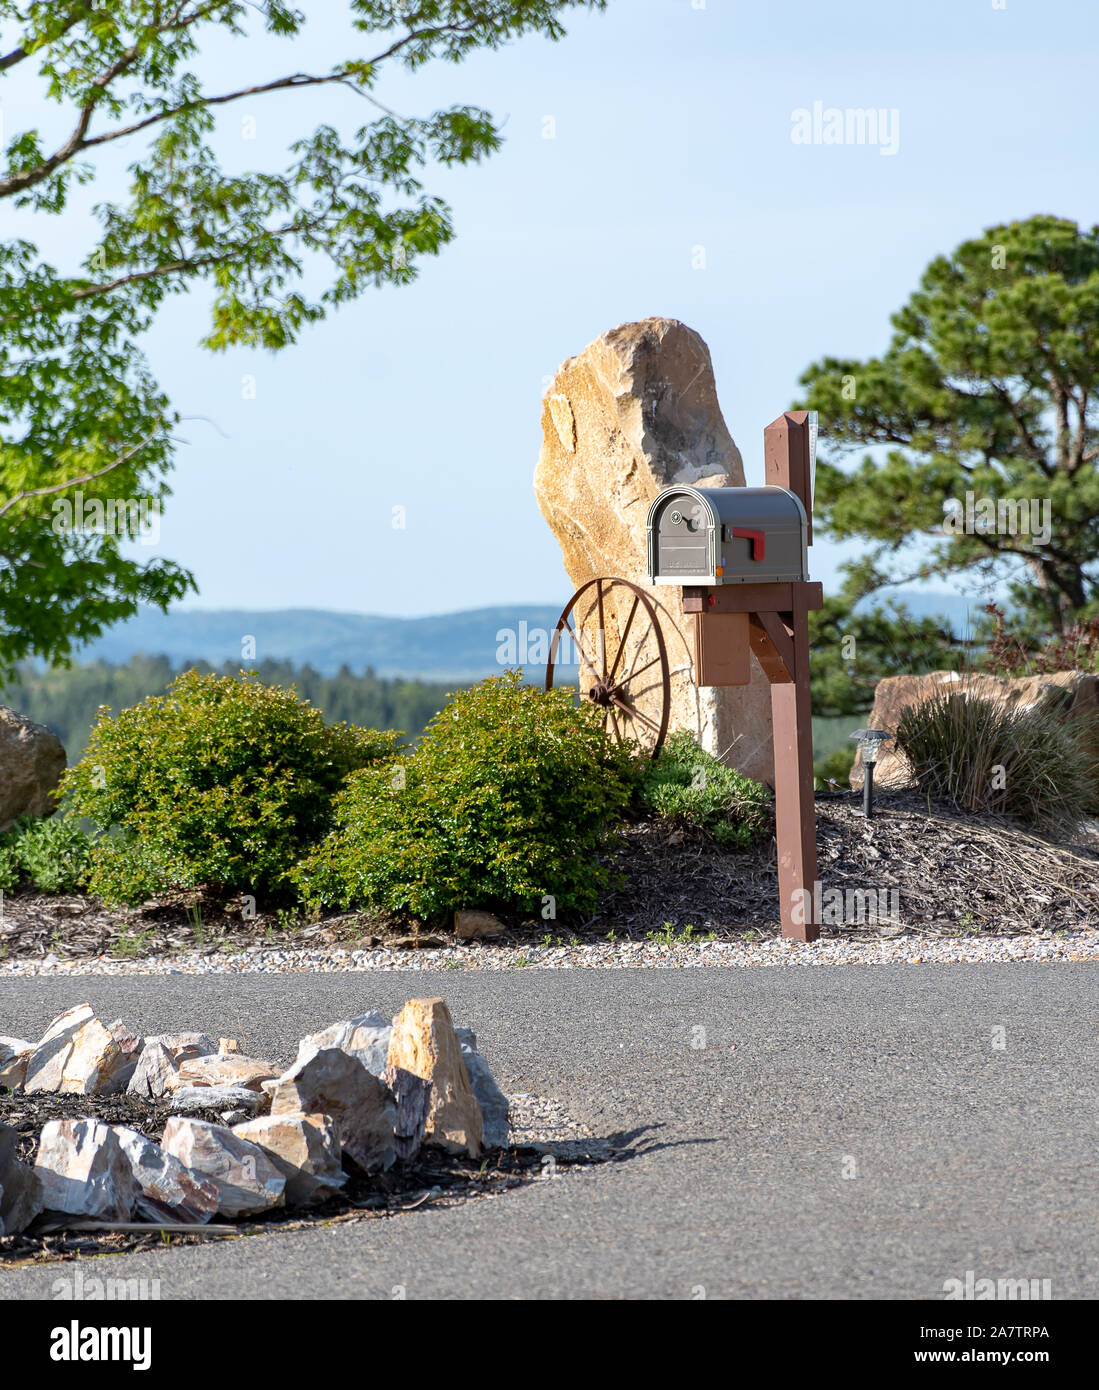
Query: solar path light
[870,741]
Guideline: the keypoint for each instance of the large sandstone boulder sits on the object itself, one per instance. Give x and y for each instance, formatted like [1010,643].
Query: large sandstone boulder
[894,694]
[32,759]
[635,412]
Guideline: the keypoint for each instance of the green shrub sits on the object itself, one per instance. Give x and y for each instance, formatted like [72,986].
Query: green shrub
[11,871]
[53,855]
[982,755]
[687,784]
[835,766]
[220,783]
[508,797]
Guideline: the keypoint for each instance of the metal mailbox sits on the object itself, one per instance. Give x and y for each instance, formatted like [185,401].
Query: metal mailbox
[727,535]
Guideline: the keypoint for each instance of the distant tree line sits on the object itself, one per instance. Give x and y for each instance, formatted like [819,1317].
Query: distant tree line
[66,699]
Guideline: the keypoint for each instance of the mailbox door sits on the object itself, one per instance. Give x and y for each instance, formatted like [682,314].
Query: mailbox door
[684,541]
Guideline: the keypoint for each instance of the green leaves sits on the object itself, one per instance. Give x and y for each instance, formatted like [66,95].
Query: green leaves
[689,785]
[508,798]
[222,782]
[53,855]
[78,407]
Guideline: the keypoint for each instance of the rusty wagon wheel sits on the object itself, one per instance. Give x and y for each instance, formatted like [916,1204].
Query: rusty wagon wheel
[623,669]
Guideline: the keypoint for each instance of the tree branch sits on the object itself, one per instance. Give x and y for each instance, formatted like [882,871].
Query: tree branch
[17,55]
[79,140]
[76,482]
[298,79]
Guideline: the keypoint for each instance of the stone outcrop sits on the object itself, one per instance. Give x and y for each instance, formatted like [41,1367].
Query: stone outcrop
[166,1190]
[32,759]
[331,1082]
[635,412]
[84,1171]
[424,1043]
[20,1187]
[306,1151]
[246,1180]
[894,694]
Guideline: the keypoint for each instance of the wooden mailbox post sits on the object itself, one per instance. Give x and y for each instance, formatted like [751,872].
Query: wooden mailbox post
[771,618]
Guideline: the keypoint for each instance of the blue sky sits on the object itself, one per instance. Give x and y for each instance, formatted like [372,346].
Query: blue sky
[673,125]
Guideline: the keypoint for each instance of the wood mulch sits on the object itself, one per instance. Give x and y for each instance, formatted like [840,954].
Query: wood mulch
[956,872]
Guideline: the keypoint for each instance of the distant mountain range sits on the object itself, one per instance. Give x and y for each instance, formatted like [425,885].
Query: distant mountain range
[449,647]
[457,647]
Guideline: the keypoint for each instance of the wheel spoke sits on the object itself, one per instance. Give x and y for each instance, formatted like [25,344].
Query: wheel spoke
[629,677]
[580,649]
[622,639]
[610,691]
[637,652]
[635,713]
[602,626]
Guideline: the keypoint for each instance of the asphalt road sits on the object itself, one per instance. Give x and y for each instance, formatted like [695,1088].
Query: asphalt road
[847,1132]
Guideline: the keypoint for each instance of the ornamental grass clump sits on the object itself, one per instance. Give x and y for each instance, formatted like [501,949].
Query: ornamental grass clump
[505,804]
[1028,763]
[220,784]
[690,786]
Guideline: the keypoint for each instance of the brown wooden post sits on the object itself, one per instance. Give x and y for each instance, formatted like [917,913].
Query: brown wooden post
[786,634]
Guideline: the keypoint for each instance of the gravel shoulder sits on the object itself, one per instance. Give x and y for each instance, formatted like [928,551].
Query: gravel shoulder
[672,954]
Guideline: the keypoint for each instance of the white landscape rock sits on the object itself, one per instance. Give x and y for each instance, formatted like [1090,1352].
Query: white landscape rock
[14,1054]
[130,1046]
[46,1064]
[167,1190]
[331,1082]
[222,1069]
[84,1171]
[182,1046]
[154,1070]
[496,1125]
[78,1055]
[366,1036]
[306,1151]
[248,1183]
[413,1096]
[20,1187]
[190,1098]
